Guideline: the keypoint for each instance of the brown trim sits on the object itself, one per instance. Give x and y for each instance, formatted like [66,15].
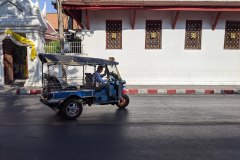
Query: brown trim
[175,20]
[27,63]
[4,67]
[133,19]
[4,60]
[75,17]
[147,3]
[87,20]
[216,20]
[166,8]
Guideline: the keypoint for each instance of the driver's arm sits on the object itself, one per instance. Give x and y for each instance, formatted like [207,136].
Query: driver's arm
[104,74]
[99,78]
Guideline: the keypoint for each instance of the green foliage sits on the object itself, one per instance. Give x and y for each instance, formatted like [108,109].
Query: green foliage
[52,47]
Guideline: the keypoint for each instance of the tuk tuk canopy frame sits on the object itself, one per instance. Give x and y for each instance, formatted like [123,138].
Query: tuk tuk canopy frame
[54,59]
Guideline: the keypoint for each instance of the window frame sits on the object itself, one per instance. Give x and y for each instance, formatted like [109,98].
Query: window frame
[226,47]
[107,44]
[159,36]
[192,33]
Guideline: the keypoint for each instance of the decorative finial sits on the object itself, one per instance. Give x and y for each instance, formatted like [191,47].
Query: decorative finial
[44,11]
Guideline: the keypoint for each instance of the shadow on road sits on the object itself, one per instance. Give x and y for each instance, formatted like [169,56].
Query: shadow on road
[121,115]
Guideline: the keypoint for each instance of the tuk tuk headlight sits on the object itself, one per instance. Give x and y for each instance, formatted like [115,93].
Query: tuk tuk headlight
[123,82]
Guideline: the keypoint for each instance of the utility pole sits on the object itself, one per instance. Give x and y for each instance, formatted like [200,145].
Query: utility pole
[61,35]
[60,25]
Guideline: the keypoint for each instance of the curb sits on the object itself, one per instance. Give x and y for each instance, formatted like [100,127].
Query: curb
[153,91]
[28,92]
[181,91]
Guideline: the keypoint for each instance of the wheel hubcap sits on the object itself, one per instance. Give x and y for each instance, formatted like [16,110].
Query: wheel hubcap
[121,101]
[72,109]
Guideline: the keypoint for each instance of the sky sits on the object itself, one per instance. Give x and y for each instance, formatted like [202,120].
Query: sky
[50,8]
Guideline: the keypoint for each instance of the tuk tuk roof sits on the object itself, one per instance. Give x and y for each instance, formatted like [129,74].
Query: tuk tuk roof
[53,59]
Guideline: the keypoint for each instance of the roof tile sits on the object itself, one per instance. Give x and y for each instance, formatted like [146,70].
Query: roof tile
[173,3]
[52,18]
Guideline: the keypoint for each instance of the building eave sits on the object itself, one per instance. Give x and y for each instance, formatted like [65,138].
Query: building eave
[230,9]
[155,3]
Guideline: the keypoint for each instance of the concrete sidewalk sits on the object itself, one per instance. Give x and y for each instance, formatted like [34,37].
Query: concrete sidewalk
[12,90]
[143,89]
[8,90]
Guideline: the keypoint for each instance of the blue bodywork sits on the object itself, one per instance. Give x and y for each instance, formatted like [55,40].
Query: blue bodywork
[60,95]
[100,96]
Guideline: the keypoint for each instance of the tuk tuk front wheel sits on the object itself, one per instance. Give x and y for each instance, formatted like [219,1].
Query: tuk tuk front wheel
[71,109]
[123,101]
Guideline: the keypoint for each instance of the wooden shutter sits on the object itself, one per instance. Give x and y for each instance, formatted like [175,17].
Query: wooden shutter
[153,34]
[232,32]
[114,34]
[193,34]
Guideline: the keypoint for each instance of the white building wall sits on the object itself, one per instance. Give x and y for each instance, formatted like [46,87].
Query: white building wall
[23,16]
[172,64]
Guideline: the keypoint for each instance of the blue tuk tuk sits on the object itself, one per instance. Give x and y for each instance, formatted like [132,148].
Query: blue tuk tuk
[68,84]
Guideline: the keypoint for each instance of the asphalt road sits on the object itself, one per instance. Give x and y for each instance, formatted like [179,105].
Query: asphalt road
[151,128]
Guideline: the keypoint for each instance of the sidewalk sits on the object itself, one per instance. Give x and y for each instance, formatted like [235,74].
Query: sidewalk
[8,90]
[12,90]
[143,90]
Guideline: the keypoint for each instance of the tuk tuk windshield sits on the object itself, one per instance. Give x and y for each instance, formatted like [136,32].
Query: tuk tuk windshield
[113,71]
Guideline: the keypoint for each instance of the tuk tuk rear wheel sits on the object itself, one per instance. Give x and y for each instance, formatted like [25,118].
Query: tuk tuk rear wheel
[72,109]
[123,101]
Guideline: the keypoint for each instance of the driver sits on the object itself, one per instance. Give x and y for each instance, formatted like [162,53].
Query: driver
[98,77]
[100,81]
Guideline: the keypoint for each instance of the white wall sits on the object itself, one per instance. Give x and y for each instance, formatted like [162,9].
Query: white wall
[172,64]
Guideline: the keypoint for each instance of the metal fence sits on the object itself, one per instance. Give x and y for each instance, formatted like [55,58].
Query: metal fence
[69,47]
[63,76]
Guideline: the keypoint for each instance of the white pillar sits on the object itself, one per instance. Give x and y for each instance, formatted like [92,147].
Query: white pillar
[34,66]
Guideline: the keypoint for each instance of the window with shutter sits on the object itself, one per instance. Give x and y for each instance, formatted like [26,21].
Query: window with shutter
[114,34]
[193,34]
[153,34]
[232,33]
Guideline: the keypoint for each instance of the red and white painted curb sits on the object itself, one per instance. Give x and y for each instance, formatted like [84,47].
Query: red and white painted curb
[28,91]
[180,91]
[153,91]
